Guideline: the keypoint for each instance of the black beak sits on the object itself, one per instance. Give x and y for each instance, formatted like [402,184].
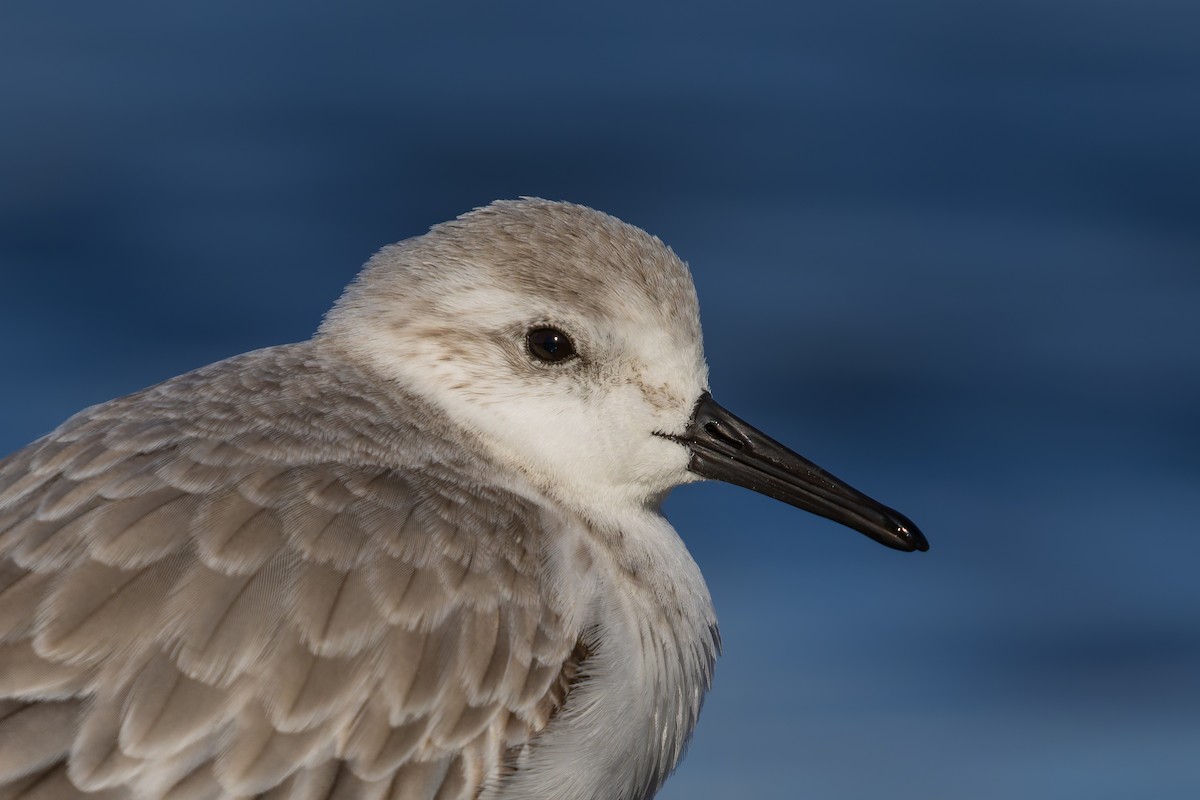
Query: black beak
[727,449]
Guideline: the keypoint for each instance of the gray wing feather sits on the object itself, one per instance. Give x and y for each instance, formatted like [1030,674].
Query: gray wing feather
[256,580]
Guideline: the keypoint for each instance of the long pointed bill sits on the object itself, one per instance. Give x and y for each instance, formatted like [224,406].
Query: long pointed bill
[727,449]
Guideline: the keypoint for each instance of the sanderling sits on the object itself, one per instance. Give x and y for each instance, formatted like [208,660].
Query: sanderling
[417,556]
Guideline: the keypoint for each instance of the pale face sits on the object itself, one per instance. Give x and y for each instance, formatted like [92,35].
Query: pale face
[580,421]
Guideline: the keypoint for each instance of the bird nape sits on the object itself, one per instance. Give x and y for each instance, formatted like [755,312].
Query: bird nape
[419,555]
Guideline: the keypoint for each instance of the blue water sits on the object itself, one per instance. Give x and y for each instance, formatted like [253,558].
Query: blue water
[950,251]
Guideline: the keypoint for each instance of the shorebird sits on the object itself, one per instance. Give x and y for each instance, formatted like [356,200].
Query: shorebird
[419,555]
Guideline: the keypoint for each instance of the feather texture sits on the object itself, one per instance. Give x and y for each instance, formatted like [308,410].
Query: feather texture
[254,614]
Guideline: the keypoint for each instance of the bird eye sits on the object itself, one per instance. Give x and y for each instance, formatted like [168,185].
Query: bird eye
[549,344]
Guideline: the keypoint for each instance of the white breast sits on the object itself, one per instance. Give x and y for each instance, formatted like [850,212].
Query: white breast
[649,621]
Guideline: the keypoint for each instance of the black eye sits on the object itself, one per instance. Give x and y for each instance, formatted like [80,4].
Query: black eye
[549,344]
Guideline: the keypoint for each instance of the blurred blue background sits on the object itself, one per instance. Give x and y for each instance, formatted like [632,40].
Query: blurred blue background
[950,251]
